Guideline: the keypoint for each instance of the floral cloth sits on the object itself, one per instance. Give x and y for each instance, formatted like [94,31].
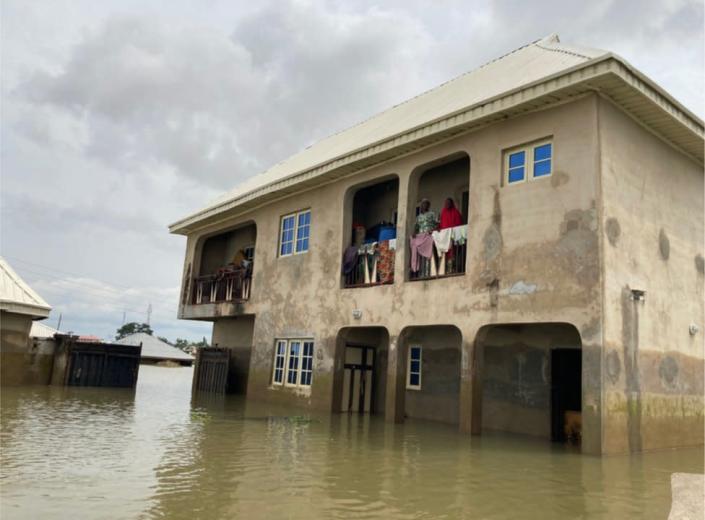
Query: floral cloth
[426,222]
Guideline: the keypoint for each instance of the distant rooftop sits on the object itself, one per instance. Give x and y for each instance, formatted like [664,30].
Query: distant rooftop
[154,348]
[18,297]
[42,330]
[530,77]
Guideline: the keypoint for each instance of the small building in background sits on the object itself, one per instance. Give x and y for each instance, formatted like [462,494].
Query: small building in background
[22,361]
[156,351]
[41,330]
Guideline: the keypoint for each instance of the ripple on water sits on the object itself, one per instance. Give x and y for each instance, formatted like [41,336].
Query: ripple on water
[155,453]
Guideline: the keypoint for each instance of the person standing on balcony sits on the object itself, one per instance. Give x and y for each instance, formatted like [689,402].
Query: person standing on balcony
[450,216]
[422,243]
[426,220]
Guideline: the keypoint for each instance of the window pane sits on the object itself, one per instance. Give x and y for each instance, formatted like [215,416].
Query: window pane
[516,159]
[289,223]
[414,379]
[415,353]
[516,175]
[542,168]
[302,232]
[286,248]
[542,152]
[415,366]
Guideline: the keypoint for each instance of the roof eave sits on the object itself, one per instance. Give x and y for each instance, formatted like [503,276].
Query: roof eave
[508,103]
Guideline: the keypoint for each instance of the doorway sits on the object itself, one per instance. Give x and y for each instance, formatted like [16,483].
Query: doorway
[566,394]
[358,379]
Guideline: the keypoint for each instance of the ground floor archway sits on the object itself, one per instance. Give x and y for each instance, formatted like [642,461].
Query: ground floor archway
[529,380]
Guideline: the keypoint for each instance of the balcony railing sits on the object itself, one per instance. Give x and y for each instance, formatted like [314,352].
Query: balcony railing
[442,263]
[228,285]
[370,264]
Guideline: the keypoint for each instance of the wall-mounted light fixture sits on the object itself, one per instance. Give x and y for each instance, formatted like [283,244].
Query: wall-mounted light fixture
[693,329]
[357,314]
[638,295]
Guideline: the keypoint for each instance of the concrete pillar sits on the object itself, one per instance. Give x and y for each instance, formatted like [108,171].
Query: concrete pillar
[396,380]
[470,416]
[592,383]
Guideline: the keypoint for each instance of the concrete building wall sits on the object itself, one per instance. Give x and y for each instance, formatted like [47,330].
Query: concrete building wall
[516,376]
[533,256]
[236,334]
[653,235]
[23,361]
[438,398]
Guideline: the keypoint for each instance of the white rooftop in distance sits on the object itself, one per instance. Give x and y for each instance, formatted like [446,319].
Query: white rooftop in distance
[18,297]
[154,348]
[41,330]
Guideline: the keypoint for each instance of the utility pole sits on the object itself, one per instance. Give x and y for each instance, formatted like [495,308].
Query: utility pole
[124,313]
[149,313]
[58,326]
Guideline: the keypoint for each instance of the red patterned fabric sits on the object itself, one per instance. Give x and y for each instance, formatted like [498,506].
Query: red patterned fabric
[385,264]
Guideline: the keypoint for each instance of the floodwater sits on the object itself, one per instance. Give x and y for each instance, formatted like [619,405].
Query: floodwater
[154,453]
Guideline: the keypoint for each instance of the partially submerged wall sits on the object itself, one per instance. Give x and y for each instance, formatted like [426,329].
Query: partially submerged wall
[23,360]
[653,222]
[235,334]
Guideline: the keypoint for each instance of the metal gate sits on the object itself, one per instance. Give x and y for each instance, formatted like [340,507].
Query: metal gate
[102,364]
[358,380]
[211,372]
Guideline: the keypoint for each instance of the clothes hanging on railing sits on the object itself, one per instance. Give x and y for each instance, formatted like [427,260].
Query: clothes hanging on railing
[421,244]
[459,234]
[349,259]
[442,240]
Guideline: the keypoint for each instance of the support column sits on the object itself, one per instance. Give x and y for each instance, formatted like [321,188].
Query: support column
[396,380]
[471,363]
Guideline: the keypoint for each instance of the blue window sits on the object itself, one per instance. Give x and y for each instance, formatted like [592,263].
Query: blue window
[413,378]
[542,160]
[294,233]
[517,167]
[293,362]
[529,162]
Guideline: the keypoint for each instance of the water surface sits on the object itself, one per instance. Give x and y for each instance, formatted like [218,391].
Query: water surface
[155,453]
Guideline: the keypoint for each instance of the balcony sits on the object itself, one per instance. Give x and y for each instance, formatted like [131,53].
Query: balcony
[439,193]
[372,264]
[225,263]
[229,285]
[371,210]
[442,262]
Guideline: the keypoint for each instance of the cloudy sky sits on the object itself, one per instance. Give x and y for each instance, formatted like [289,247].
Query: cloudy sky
[118,118]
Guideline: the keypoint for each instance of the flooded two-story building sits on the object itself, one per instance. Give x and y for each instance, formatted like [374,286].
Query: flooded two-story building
[519,249]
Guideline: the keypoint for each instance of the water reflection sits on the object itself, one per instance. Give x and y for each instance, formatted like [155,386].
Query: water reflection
[156,453]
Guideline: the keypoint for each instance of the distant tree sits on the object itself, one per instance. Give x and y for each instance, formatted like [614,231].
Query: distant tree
[182,344]
[164,340]
[133,328]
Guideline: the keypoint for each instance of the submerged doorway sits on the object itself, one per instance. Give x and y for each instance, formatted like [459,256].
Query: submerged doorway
[566,394]
[360,377]
[358,380]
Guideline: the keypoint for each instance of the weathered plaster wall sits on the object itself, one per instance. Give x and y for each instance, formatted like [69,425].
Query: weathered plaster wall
[23,361]
[653,235]
[516,386]
[235,334]
[532,257]
[438,398]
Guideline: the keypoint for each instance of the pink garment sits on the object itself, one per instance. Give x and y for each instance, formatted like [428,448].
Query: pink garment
[421,244]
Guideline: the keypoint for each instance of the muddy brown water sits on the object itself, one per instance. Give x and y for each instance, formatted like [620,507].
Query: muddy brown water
[155,453]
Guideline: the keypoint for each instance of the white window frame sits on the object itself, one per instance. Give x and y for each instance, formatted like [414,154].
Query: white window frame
[409,386]
[294,249]
[529,162]
[287,362]
[283,356]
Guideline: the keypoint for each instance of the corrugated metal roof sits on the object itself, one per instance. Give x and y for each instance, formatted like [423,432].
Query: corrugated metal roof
[435,112]
[16,296]
[154,348]
[42,330]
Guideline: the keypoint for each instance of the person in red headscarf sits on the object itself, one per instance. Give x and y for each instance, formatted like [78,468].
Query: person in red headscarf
[450,216]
